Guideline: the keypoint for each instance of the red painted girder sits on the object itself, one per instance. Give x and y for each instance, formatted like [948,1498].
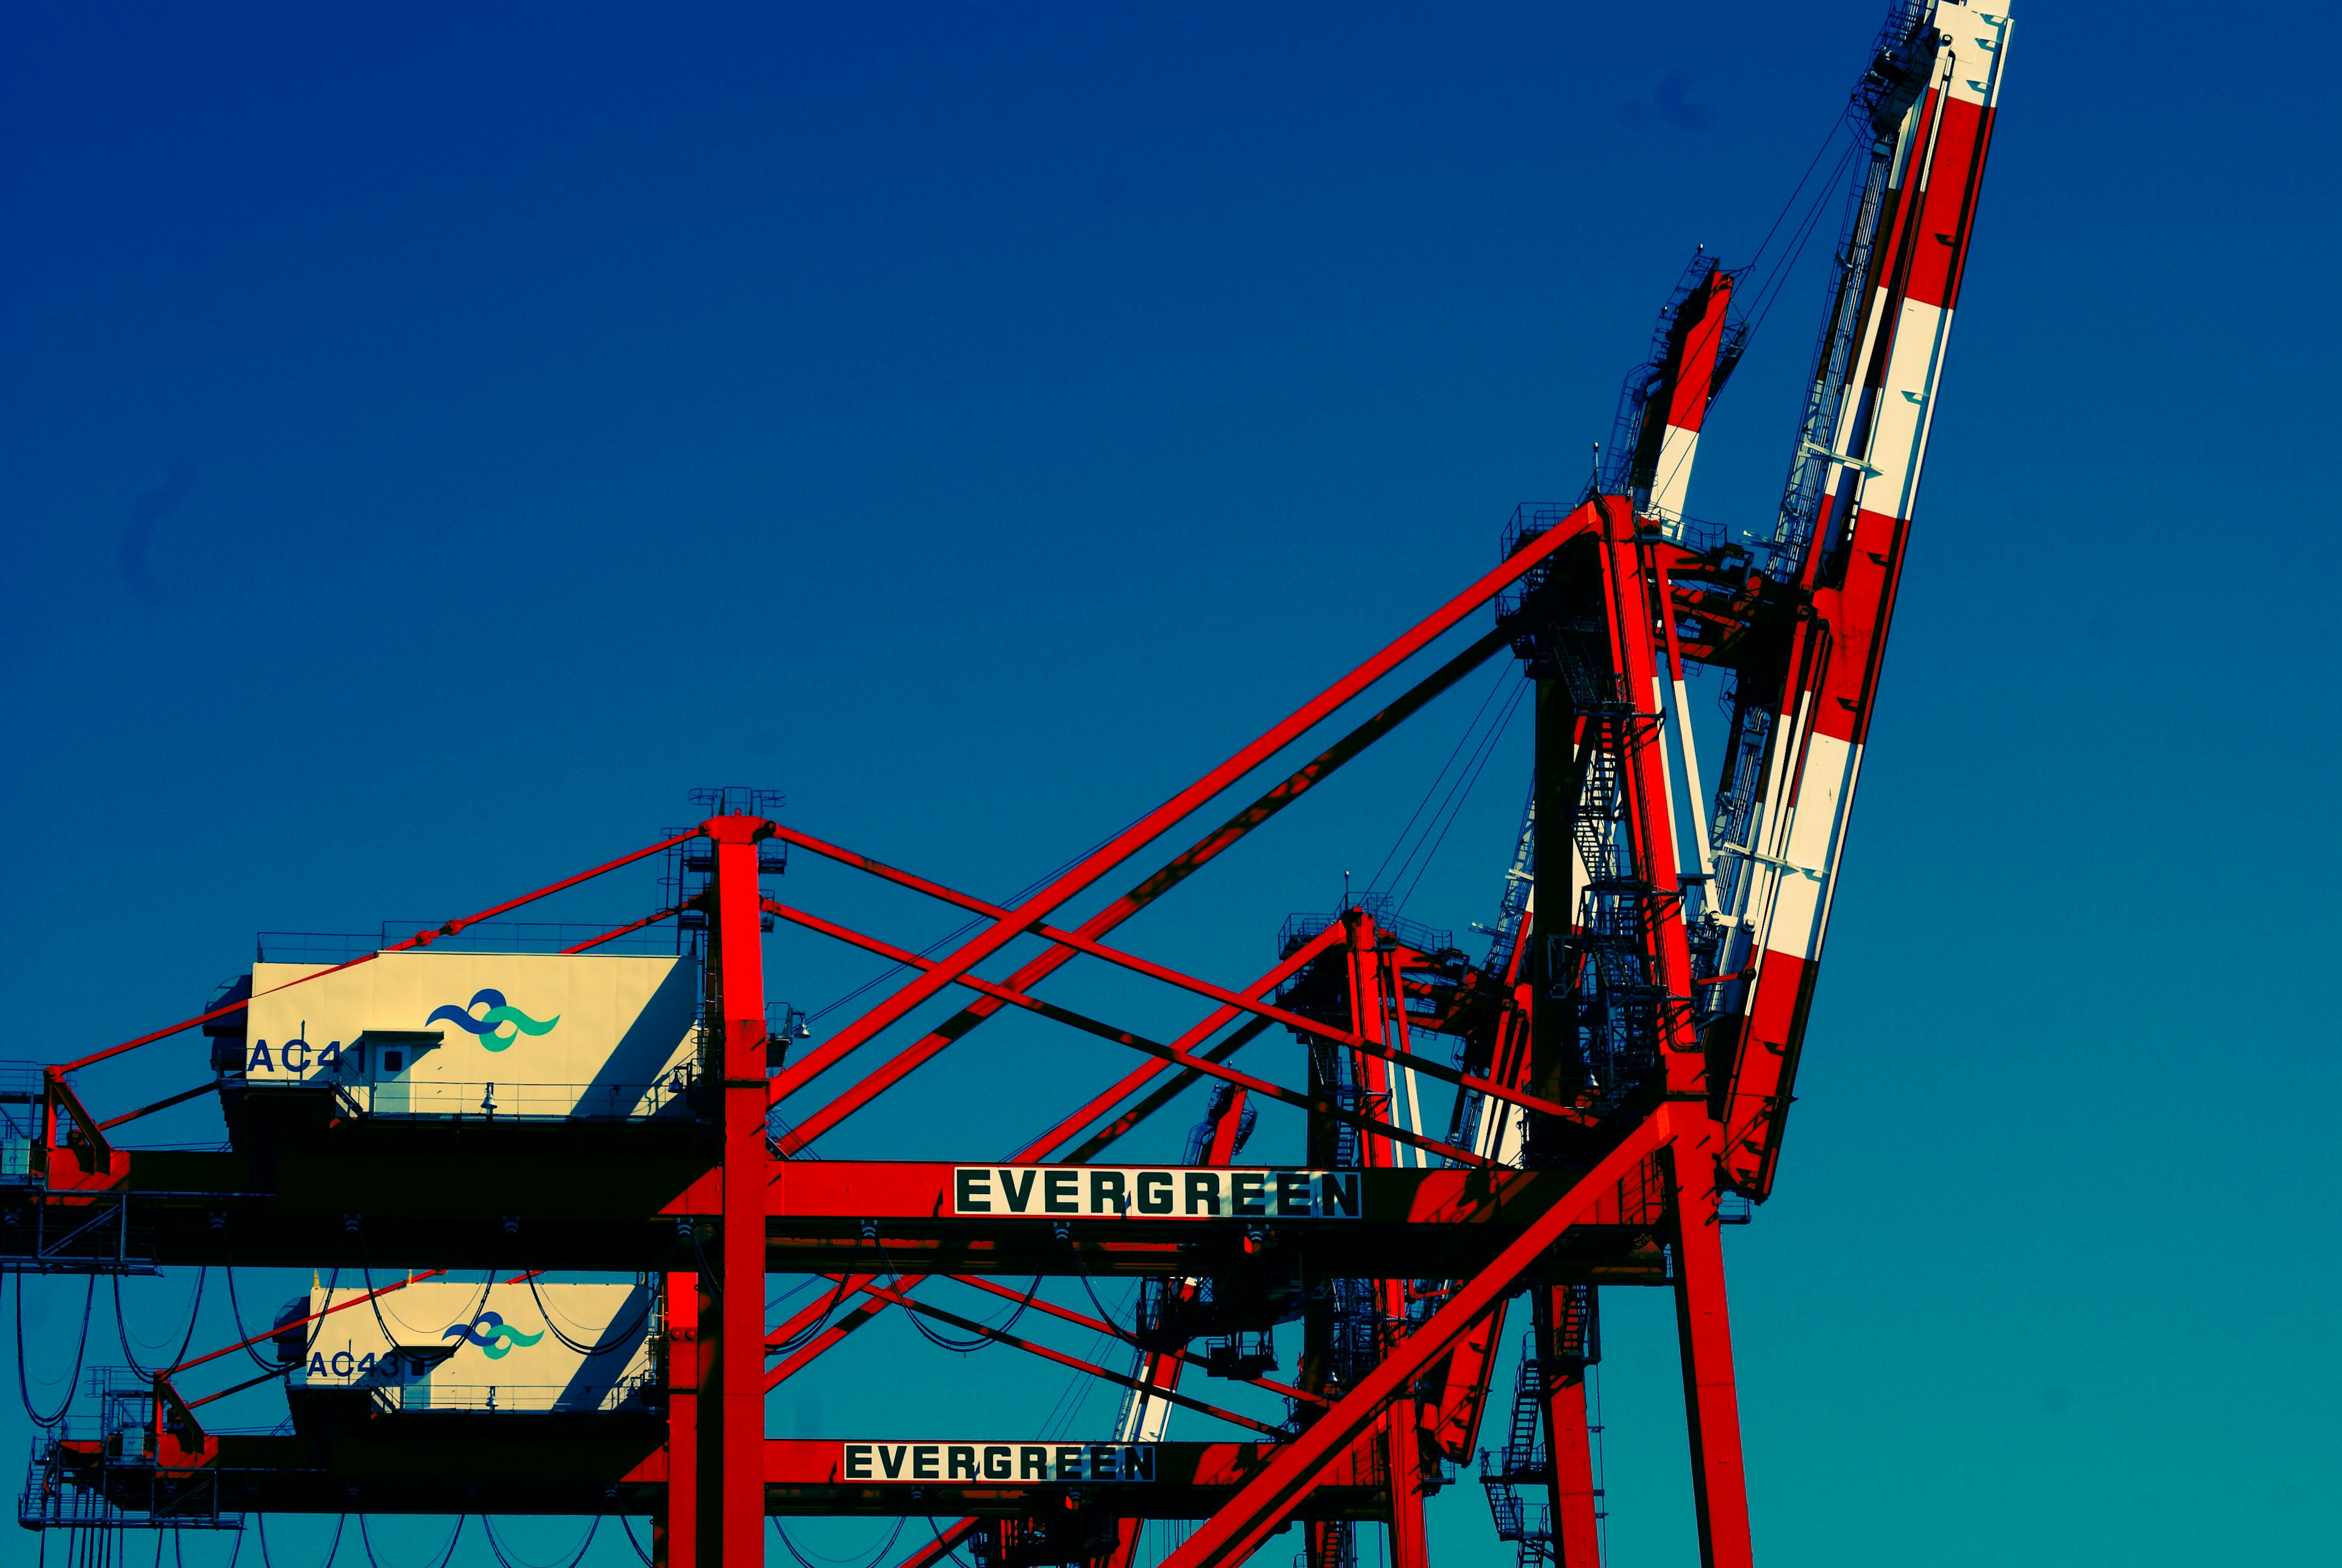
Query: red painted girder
[1040,1147]
[736,952]
[1232,1534]
[849,1191]
[935,1551]
[1923,240]
[1139,1077]
[420,939]
[897,1298]
[1124,1037]
[1073,881]
[979,1283]
[1194,858]
[807,1461]
[1244,1002]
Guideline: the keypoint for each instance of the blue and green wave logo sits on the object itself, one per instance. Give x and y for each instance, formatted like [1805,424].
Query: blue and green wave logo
[489,1330]
[489,1025]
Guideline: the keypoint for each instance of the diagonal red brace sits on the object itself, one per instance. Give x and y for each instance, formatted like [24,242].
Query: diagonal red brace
[1131,839]
[1232,1534]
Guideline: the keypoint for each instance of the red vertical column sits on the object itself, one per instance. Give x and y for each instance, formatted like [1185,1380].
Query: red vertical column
[1370,1005]
[1563,1340]
[1704,1327]
[674,1535]
[737,1482]
[1576,1519]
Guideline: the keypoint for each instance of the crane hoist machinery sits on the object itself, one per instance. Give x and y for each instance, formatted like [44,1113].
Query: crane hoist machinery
[541,1177]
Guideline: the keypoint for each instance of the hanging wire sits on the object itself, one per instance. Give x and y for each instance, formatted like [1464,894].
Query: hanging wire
[121,1329]
[931,949]
[236,1310]
[1077,1393]
[1433,788]
[311,1331]
[579,1346]
[1770,291]
[516,1560]
[373,1298]
[936,1337]
[805,1336]
[817,1559]
[260,1524]
[444,1556]
[179,1547]
[1130,1339]
[951,1553]
[24,1383]
[1481,741]
[1487,752]
[1836,127]
[627,1525]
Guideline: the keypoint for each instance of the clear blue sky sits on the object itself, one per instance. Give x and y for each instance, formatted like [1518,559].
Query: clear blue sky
[435,440]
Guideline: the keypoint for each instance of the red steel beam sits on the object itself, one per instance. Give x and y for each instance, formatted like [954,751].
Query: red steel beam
[979,1283]
[1139,1077]
[1232,1534]
[631,926]
[1122,1036]
[1040,1147]
[1073,881]
[735,1456]
[1704,1335]
[898,1298]
[420,939]
[1163,880]
[1206,989]
[935,1551]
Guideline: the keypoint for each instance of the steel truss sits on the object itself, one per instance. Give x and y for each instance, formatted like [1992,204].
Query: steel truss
[1623,1059]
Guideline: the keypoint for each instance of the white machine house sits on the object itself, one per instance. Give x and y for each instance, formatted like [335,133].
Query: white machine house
[535,1346]
[480,1035]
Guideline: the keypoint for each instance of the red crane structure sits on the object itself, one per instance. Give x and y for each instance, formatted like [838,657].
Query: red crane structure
[1621,1060]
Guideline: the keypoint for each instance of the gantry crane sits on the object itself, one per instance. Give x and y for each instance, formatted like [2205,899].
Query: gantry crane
[1618,1063]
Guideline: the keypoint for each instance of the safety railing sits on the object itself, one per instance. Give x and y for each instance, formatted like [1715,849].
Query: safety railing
[431,1099]
[638,1392]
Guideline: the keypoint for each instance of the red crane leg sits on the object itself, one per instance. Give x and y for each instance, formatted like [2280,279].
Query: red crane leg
[1704,1327]
[1069,883]
[1408,1548]
[736,1456]
[1160,882]
[675,1534]
[1576,1525]
[1248,1519]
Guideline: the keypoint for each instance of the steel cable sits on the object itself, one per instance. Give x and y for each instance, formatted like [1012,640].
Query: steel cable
[121,1328]
[515,1561]
[1130,1339]
[804,1561]
[24,1384]
[315,1326]
[1433,788]
[650,1296]
[807,1335]
[951,1553]
[983,1340]
[367,1537]
[1487,753]
[260,1523]
[1011,902]
[627,1525]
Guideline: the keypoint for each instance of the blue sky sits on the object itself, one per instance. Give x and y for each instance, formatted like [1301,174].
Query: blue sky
[433,441]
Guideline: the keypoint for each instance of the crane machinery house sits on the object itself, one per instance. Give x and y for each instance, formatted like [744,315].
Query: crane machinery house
[525,1347]
[478,1034]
